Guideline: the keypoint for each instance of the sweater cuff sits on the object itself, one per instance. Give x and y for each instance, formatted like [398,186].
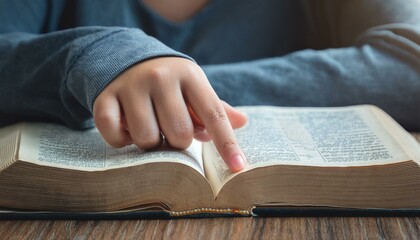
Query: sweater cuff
[106,55]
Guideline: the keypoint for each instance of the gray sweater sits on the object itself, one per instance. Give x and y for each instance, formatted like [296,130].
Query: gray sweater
[56,56]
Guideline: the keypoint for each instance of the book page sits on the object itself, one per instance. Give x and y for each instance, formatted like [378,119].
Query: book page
[406,140]
[58,146]
[9,137]
[339,137]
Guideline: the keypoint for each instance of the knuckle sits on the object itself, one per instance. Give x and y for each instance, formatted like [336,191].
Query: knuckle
[104,119]
[229,145]
[192,68]
[193,71]
[216,114]
[158,74]
[181,135]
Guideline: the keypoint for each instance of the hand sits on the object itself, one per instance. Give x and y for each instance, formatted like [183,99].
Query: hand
[170,95]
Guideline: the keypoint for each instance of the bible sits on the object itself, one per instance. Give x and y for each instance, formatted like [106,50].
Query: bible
[354,157]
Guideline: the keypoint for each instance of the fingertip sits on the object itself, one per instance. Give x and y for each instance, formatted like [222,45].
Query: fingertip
[237,163]
[121,142]
[116,136]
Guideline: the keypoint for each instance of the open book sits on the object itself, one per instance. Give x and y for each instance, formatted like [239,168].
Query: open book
[345,157]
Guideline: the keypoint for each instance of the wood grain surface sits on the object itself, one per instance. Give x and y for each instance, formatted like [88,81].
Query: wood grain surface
[220,228]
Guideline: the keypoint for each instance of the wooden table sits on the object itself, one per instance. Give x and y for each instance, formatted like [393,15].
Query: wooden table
[220,228]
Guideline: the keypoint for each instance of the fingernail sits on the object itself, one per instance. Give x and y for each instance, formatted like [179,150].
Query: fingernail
[237,163]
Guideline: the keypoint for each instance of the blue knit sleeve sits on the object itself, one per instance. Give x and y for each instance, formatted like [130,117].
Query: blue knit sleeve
[383,69]
[57,76]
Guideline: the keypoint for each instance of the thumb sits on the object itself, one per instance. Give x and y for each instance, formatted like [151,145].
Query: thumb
[236,118]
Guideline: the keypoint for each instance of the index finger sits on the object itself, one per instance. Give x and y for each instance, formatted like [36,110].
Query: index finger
[210,110]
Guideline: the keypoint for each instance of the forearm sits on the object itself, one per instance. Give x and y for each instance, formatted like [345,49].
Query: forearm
[334,77]
[57,76]
[377,61]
